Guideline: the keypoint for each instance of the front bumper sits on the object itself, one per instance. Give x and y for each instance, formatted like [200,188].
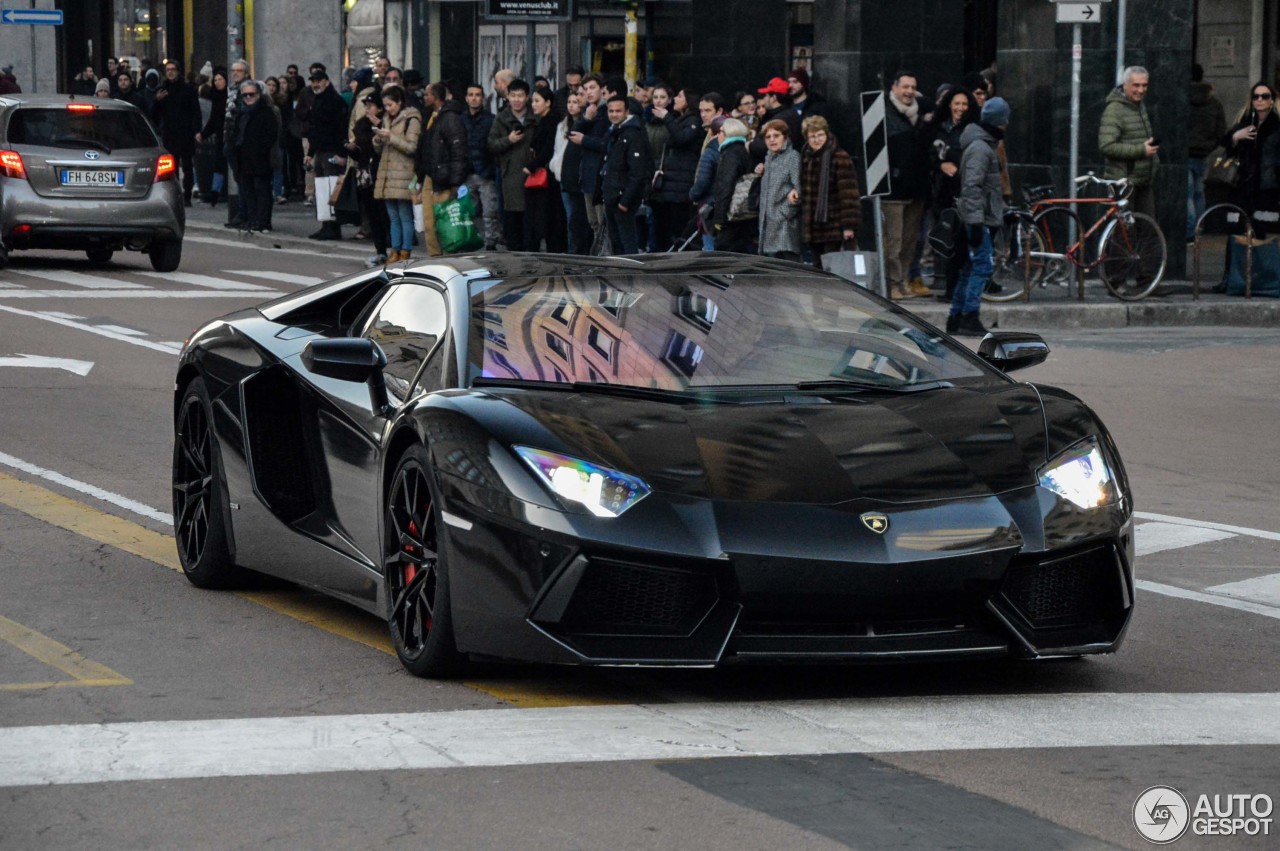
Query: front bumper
[531,592]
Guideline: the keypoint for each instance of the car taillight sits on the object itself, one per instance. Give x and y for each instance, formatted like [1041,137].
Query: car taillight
[166,167]
[11,165]
[81,107]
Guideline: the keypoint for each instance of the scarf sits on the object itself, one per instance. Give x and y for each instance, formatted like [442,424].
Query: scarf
[909,111]
[821,212]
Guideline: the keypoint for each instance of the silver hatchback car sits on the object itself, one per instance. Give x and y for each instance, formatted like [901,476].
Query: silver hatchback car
[86,174]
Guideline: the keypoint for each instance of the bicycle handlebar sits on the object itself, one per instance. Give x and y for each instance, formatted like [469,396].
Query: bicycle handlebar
[1092,178]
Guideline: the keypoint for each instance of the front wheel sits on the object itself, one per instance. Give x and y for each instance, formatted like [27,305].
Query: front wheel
[415,572]
[1132,256]
[165,254]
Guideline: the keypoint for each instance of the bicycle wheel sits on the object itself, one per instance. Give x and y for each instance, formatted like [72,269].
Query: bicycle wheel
[1059,227]
[1016,258]
[1132,256]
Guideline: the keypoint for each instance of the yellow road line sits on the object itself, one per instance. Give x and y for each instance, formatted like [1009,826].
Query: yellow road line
[332,616]
[84,672]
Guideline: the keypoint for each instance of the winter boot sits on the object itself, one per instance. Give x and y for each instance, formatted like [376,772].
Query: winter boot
[953,323]
[970,325]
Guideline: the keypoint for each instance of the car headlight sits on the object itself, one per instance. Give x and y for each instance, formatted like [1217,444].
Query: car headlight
[604,492]
[1081,476]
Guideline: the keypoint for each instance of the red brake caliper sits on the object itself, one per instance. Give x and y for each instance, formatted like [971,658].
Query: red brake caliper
[410,570]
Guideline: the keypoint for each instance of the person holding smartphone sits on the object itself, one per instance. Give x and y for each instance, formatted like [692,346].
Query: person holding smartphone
[1255,139]
[1128,141]
[509,140]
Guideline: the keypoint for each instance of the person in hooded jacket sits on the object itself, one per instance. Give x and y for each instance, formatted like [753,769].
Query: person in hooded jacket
[670,199]
[150,86]
[981,207]
[626,175]
[734,162]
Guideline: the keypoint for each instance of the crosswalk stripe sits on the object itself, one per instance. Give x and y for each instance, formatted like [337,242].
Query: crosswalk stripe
[79,279]
[92,329]
[1222,600]
[1205,524]
[1156,537]
[5,285]
[301,280]
[1263,589]
[156,750]
[207,281]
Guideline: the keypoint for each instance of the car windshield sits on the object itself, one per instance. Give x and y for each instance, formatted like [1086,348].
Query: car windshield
[101,129]
[690,332]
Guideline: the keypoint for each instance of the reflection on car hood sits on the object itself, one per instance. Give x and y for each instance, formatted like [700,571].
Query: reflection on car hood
[945,443]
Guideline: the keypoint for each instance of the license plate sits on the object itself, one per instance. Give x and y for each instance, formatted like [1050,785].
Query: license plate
[91,177]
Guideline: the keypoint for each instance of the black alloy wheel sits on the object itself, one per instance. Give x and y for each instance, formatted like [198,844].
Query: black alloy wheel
[415,572]
[198,495]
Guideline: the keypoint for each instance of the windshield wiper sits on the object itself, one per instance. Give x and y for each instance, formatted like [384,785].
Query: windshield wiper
[77,142]
[624,390]
[852,384]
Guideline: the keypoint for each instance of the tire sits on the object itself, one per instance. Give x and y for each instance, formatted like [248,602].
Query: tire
[1013,258]
[165,254]
[199,495]
[100,256]
[415,572]
[1132,256]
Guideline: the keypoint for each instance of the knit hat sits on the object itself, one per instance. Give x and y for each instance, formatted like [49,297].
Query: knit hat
[103,86]
[996,112]
[801,76]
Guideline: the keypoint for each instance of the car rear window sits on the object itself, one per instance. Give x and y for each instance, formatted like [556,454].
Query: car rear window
[59,127]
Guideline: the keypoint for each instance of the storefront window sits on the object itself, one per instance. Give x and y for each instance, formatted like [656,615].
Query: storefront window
[141,31]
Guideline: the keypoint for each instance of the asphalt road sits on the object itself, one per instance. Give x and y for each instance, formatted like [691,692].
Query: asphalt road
[137,711]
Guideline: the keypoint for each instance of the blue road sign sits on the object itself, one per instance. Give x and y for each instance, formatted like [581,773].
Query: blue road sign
[31,16]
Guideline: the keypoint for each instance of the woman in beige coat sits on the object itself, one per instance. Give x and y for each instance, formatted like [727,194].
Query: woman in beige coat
[397,140]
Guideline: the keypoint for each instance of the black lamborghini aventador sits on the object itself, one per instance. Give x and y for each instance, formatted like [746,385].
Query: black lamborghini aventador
[679,460]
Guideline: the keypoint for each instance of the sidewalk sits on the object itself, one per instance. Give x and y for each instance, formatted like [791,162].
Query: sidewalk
[1049,307]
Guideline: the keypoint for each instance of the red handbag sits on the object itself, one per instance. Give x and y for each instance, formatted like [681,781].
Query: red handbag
[537,180]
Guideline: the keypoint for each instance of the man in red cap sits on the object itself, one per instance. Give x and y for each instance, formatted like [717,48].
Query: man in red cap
[776,98]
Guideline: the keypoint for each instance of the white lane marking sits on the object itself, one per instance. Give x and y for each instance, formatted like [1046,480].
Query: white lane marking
[207,281]
[92,329]
[1156,537]
[1212,599]
[78,279]
[146,293]
[1259,589]
[79,367]
[120,329]
[5,285]
[86,488]
[154,750]
[60,315]
[1204,524]
[301,280]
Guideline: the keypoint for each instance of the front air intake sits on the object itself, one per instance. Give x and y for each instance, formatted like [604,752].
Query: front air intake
[1065,592]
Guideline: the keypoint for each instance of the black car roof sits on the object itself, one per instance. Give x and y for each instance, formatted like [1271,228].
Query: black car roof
[520,265]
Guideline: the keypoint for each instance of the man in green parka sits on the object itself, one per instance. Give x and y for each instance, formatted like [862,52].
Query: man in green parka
[1126,139]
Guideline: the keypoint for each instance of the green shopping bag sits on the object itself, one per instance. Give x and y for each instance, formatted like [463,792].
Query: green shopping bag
[455,225]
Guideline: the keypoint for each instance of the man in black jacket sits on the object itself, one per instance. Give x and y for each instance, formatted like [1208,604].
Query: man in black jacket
[326,136]
[443,162]
[254,135]
[590,131]
[482,181]
[627,170]
[908,181]
[176,112]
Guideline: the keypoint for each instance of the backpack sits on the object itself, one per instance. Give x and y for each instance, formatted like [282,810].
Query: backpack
[942,236]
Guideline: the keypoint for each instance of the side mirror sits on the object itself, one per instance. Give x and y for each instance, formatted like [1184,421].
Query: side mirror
[346,358]
[1010,350]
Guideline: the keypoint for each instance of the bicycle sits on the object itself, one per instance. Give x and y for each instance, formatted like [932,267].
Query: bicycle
[1038,249]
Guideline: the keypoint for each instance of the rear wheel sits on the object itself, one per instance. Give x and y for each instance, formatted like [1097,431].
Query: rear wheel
[416,573]
[100,256]
[1132,256]
[199,495]
[165,254]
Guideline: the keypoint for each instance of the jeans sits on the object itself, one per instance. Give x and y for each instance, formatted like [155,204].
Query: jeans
[967,297]
[1196,167]
[400,212]
[277,183]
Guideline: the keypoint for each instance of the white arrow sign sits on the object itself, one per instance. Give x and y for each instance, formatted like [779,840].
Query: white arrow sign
[31,16]
[1079,13]
[79,367]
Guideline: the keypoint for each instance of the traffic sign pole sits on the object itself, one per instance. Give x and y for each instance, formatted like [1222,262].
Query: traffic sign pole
[1077,52]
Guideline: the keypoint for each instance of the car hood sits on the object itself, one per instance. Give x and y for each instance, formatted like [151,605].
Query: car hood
[946,443]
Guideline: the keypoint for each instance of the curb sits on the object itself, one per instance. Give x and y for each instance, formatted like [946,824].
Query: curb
[1254,313]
